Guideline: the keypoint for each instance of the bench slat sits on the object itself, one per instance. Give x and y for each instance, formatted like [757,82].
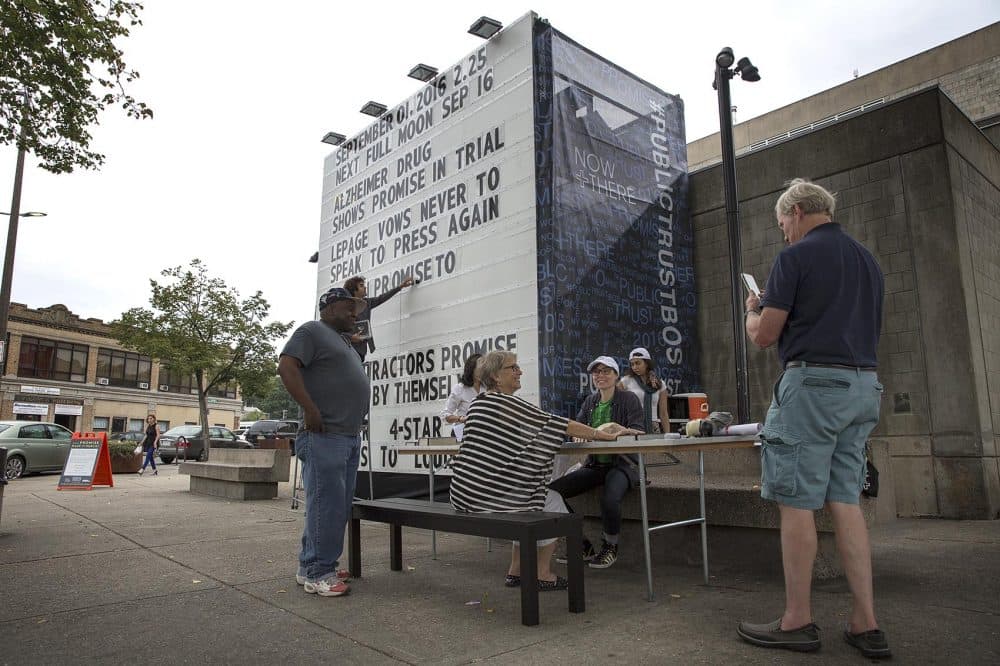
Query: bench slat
[438,516]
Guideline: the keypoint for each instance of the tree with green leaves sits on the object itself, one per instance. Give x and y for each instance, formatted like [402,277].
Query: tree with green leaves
[274,401]
[200,326]
[59,68]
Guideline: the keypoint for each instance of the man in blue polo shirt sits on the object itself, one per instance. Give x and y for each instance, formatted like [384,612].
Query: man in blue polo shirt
[823,306]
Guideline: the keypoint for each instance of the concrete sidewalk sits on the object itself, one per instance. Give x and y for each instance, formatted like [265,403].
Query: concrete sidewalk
[146,572]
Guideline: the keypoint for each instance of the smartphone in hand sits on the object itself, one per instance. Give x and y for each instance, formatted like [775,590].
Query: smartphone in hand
[751,284]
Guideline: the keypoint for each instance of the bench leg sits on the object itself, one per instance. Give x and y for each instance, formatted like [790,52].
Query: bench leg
[354,548]
[396,547]
[529,582]
[574,565]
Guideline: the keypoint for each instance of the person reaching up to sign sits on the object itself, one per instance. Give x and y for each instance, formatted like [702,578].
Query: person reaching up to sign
[608,406]
[506,455]
[324,375]
[462,395]
[361,338]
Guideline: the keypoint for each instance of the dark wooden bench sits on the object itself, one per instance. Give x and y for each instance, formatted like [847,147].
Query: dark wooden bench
[526,527]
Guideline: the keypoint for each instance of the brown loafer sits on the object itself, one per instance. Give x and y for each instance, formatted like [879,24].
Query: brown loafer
[803,639]
[872,644]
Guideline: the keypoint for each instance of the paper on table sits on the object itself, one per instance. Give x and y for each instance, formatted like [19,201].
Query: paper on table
[741,429]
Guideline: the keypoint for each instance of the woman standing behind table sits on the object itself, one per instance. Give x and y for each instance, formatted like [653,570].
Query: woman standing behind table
[462,395]
[641,379]
[505,460]
[150,444]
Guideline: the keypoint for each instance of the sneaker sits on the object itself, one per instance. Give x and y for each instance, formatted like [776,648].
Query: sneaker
[342,574]
[605,558]
[771,635]
[871,643]
[328,587]
[588,553]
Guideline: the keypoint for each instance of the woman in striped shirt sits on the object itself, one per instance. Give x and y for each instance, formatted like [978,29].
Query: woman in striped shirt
[505,461]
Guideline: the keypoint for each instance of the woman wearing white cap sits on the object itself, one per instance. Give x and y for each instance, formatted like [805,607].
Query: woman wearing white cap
[641,380]
[616,473]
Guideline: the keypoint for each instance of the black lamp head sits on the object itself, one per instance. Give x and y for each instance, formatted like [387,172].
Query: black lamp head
[725,58]
[374,109]
[485,27]
[423,72]
[747,70]
[333,138]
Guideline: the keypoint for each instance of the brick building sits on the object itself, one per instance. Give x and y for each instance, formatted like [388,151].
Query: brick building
[59,367]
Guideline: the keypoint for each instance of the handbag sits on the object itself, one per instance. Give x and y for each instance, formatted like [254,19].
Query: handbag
[870,487]
[138,449]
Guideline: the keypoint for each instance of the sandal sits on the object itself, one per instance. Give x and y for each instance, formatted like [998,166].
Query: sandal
[511,581]
[559,583]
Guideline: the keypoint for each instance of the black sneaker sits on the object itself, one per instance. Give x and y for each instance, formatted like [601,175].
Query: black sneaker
[872,644]
[605,558]
[588,553]
[771,635]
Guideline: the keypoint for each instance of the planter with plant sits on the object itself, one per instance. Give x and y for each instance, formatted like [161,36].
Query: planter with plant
[124,459]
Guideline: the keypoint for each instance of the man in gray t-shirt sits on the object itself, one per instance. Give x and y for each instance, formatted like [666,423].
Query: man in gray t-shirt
[323,373]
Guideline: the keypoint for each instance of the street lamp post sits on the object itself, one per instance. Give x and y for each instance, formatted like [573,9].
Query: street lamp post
[15,212]
[724,71]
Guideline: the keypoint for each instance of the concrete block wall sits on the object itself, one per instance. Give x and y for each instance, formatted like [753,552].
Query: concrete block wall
[898,178]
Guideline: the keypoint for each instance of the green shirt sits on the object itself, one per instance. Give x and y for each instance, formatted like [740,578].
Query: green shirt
[600,416]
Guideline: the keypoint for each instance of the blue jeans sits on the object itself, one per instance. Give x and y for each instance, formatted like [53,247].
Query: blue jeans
[150,452]
[329,473]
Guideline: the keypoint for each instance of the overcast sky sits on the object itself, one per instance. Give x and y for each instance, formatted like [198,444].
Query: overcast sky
[230,169]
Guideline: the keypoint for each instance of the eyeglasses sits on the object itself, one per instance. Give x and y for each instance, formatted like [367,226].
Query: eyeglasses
[602,371]
[515,367]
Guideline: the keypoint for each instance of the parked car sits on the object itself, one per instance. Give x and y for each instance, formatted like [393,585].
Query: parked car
[34,446]
[271,429]
[191,435]
[135,436]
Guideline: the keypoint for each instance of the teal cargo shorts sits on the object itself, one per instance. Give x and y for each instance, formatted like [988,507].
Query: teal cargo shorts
[814,436]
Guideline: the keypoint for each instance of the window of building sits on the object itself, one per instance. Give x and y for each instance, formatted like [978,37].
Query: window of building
[163,425]
[51,359]
[136,425]
[101,423]
[176,382]
[121,368]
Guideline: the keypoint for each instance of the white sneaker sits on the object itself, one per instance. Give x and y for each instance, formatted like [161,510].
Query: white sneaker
[328,587]
[342,574]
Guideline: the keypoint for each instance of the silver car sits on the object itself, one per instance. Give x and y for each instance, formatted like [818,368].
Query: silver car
[34,446]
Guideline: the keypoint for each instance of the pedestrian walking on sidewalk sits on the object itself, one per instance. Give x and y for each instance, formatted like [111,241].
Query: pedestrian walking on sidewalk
[823,306]
[150,444]
[323,373]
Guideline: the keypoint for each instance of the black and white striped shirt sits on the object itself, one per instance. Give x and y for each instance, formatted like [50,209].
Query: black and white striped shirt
[505,460]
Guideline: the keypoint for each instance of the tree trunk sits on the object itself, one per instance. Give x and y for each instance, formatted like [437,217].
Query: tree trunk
[199,376]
